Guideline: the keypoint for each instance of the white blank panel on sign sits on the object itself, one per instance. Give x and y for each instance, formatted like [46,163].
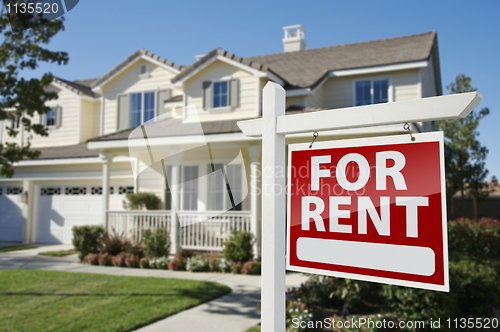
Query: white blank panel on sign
[385,257]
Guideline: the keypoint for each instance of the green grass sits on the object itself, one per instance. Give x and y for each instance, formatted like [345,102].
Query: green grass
[58,253]
[14,248]
[37,301]
[254,329]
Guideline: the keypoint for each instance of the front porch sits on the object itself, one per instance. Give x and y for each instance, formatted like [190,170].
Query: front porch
[198,230]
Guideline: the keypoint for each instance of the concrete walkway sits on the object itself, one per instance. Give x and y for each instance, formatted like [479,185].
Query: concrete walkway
[236,311]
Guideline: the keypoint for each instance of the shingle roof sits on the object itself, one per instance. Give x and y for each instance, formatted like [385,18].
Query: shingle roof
[80,87]
[69,151]
[305,68]
[175,127]
[218,51]
[124,63]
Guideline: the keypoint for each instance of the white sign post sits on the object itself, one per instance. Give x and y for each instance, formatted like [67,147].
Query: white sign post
[275,125]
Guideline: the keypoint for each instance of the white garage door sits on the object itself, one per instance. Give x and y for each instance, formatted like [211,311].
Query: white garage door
[62,207]
[11,216]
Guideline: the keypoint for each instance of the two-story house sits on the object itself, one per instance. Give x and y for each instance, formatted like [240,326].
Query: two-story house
[98,148]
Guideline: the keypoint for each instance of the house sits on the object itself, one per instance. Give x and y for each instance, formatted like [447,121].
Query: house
[88,164]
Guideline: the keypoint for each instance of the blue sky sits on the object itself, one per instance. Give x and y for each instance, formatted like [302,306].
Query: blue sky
[100,34]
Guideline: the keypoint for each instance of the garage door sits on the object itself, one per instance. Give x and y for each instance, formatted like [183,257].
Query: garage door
[62,207]
[11,216]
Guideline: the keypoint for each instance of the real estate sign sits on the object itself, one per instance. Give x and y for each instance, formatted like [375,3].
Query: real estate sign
[370,209]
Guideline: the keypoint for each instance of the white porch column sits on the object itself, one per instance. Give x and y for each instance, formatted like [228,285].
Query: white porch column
[253,152]
[174,183]
[273,211]
[105,187]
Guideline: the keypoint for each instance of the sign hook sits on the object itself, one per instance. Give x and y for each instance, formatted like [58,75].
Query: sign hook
[406,126]
[315,135]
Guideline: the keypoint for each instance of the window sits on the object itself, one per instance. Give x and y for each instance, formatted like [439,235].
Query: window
[220,94]
[143,69]
[224,188]
[371,92]
[190,188]
[142,108]
[52,118]
[15,123]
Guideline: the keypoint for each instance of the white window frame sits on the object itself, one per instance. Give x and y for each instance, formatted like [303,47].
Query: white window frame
[390,88]
[16,123]
[221,109]
[143,104]
[52,108]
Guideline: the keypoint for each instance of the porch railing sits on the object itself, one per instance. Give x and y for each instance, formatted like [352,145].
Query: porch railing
[211,233]
[198,230]
[133,223]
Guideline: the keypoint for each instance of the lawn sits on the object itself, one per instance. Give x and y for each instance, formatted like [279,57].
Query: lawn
[15,248]
[36,301]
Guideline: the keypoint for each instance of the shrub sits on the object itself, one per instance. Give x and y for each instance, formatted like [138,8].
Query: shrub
[162,263]
[474,292]
[235,267]
[137,201]
[224,265]
[197,264]
[156,243]
[86,239]
[104,259]
[131,260]
[144,262]
[238,248]
[251,267]
[477,240]
[178,263]
[115,243]
[213,264]
[91,259]
[119,260]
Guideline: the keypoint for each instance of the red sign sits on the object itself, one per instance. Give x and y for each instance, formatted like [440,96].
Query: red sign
[370,209]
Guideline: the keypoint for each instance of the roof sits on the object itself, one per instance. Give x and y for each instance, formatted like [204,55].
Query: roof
[80,87]
[69,151]
[218,51]
[130,59]
[306,68]
[175,127]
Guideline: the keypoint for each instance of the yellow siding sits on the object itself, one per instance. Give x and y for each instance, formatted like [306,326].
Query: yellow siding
[129,81]
[217,71]
[428,82]
[338,92]
[406,85]
[317,99]
[89,121]
[66,134]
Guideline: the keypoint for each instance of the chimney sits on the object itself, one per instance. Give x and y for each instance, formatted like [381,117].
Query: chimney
[294,38]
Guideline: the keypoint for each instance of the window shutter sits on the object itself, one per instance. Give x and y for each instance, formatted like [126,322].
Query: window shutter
[43,119]
[233,93]
[207,95]
[162,96]
[58,116]
[123,112]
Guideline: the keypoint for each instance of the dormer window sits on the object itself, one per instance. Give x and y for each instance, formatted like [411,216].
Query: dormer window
[52,118]
[220,96]
[143,70]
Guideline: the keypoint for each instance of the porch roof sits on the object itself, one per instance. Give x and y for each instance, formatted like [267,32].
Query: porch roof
[68,151]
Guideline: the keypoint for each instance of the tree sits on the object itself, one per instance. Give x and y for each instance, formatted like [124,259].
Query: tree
[23,47]
[464,155]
